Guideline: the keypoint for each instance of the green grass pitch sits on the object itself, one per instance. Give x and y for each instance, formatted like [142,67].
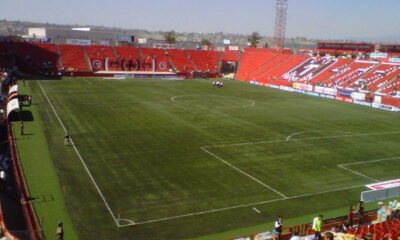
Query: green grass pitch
[184,159]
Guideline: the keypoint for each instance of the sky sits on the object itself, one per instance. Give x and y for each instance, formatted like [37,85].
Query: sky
[321,19]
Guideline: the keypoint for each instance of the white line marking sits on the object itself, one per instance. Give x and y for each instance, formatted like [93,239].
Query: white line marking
[80,157]
[244,173]
[256,210]
[301,139]
[299,133]
[371,161]
[242,206]
[129,222]
[87,81]
[343,166]
[357,173]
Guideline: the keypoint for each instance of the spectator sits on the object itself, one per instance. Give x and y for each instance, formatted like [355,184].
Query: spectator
[381,213]
[2,179]
[350,216]
[396,210]
[360,212]
[317,227]
[295,236]
[22,127]
[278,228]
[60,231]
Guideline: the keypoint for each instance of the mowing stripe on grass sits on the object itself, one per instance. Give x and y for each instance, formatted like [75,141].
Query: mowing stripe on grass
[80,157]
[244,173]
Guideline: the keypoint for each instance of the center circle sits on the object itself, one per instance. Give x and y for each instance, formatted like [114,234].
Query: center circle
[206,100]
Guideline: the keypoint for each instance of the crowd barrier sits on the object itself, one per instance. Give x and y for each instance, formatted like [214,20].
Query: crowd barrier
[33,227]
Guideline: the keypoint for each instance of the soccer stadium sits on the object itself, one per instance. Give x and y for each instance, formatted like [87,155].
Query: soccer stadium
[108,135]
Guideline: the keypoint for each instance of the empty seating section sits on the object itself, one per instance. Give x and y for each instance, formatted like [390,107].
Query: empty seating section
[323,78]
[99,52]
[127,52]
[159,56]
[267,65]
[352,73]
[384,76]
[277,72]
[204,60]
[230,56]
[73,58]
[392,88]
[309,69]
[251,60]
[180,60]
[42,57]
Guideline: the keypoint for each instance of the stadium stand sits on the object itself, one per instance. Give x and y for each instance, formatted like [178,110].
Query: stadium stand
[180,60]
[161,60]
[282,68]
[230,56]
[73,58]
[251,60]
[204,60]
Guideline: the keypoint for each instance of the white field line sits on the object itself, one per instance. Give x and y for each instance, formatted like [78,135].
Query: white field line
[129,222]
[244,173]
[371,161]
[80,157]
[357,173]
[87,81]
[268,201]
[241,206]
[343,166]
[301,139]
[256,210]
[311,131]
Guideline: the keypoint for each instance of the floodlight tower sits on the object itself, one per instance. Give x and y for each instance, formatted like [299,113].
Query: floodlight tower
[281,7]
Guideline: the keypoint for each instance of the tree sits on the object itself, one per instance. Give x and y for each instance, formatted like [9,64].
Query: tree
[205,42]
[254,39]
[170,37]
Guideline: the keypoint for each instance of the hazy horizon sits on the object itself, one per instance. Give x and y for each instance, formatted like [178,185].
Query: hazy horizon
[339,19]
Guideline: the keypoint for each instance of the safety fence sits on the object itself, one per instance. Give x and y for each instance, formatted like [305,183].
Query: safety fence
[34,230]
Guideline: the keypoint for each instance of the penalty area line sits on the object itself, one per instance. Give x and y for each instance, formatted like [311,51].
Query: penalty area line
[243,172]
[241,206]
[80,156]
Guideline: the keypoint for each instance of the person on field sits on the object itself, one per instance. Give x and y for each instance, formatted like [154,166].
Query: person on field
[66,139]
[22,127]
[60,231]
[317,227]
